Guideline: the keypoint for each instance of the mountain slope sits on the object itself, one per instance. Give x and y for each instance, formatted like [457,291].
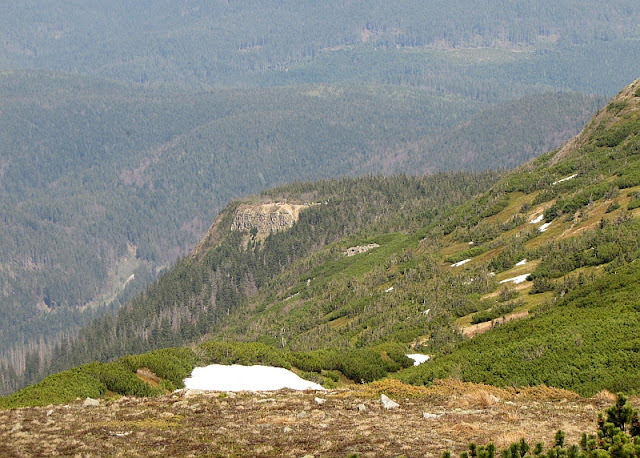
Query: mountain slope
[375,265]
[126,179]
[582,201]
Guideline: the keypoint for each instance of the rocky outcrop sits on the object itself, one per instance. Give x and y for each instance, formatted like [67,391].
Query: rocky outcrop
[354,250]
[265,218]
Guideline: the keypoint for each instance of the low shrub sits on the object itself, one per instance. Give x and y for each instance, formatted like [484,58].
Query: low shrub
[243,353]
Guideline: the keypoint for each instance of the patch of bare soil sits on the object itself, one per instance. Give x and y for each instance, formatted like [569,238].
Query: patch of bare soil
[480,328]
[285,423]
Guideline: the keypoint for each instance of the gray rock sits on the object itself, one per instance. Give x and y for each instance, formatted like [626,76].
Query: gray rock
[319,401]
[181,405]
[388,403]
[287,430]
[191,393]
[428,416]
[302,414]
[362,408]
[90,402]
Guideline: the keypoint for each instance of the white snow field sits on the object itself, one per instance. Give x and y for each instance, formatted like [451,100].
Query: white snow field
[565,179]
[521,263]
[537,220]
[544,227]
[218,377]
[418,358]
[461,263]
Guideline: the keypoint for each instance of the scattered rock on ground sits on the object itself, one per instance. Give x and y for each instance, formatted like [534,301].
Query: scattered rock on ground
[388,403]
[90,402]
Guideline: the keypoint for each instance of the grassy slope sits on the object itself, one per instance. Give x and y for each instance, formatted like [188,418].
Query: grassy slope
[586,339]
[586,342]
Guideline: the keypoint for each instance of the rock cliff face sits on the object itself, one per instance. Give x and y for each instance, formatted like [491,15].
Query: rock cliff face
[266,218]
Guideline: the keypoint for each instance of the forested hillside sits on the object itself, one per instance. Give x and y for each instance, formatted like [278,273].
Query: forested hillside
[531,282]
[273,42]
[223,276]
[127,179]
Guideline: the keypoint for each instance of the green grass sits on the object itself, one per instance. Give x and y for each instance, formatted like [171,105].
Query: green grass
[586,343]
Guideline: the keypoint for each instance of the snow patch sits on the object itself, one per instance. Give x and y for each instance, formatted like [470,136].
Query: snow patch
[565,179]
[537,220]
[218,377]
[521,263]
[418,358]
[516,280]
[461,263]
[388,290]
[544,227]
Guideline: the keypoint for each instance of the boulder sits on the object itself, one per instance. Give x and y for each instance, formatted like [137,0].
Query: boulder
[388,403]
[90,402]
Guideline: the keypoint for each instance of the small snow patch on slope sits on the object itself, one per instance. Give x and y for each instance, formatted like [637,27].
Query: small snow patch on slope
[544,227]
[516,280]
[461,263]
[418,358]
[565,179]
[537,220]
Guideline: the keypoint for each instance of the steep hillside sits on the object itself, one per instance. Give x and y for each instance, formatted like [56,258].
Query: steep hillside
[553,226]
[374,266]
[230,266]
[105,183]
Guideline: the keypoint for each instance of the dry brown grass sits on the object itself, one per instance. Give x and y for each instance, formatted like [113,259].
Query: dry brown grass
[547,393]
[147,375]
[481,398]
[393,388]
[273,424]
[604,396]
[456,388]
